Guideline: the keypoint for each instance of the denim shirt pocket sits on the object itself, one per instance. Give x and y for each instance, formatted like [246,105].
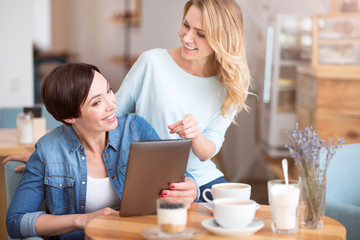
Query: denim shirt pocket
[122,161]
[60,193]
[123,169]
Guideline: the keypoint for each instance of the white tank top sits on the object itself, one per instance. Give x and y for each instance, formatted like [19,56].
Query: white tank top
[100,194]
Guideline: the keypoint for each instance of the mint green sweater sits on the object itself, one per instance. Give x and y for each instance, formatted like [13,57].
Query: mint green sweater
[162,93]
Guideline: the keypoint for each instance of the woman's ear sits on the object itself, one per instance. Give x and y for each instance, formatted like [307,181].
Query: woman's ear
[70,120]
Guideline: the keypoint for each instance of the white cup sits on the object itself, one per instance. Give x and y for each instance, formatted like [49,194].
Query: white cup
[234,213]
[239,191]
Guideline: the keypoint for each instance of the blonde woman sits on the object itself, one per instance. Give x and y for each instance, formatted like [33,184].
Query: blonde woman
[194,91]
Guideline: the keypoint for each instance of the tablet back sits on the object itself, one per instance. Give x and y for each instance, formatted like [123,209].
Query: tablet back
[152,166]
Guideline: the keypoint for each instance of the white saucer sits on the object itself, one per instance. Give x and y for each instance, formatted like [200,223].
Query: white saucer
[153,233]
[214,228]
[209,206]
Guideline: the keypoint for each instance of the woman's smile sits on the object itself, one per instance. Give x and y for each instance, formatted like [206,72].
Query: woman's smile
[110,118]
[190,48]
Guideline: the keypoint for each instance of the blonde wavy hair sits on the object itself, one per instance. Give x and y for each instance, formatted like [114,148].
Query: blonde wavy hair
[224,31]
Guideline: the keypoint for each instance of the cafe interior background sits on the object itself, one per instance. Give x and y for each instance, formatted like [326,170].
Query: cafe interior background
[37,35]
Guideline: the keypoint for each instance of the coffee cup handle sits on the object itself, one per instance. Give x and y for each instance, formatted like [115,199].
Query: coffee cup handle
[204,195]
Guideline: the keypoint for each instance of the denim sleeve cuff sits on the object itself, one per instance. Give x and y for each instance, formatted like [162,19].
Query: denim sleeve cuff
[27,224]
[190,177]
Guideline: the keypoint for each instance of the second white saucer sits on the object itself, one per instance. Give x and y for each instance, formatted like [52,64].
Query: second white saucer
[211,225]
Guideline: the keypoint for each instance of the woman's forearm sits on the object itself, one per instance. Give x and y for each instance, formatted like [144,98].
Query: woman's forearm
[54,225]
[202,147]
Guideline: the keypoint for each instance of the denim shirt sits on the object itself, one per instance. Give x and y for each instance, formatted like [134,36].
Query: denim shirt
[57,174]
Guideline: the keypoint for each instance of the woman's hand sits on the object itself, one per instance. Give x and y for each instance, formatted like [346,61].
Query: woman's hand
[21,157]
[186,190]
[90,216]
[185,128]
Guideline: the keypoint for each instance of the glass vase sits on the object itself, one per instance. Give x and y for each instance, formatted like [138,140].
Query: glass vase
[313,195]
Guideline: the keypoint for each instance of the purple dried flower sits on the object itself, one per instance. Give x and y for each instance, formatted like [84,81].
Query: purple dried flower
[307,150]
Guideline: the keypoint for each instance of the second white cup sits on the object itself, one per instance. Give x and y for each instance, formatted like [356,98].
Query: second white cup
[234,213]
[240,191]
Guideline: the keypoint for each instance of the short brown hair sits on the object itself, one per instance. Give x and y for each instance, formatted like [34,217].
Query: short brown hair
[65,89]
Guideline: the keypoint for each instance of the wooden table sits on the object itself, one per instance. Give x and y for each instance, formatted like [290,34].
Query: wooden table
[8,146]
[114,227]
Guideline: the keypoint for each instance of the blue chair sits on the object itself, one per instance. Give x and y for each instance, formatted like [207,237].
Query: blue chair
[342,189]
[12,180]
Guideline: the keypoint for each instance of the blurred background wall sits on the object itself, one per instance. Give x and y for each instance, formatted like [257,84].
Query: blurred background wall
[85,31]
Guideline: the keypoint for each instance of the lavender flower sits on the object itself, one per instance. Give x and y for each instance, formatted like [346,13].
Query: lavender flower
[312,157]
[307,150]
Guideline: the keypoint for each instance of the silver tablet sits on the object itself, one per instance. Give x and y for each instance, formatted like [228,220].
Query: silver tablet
[152,166]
